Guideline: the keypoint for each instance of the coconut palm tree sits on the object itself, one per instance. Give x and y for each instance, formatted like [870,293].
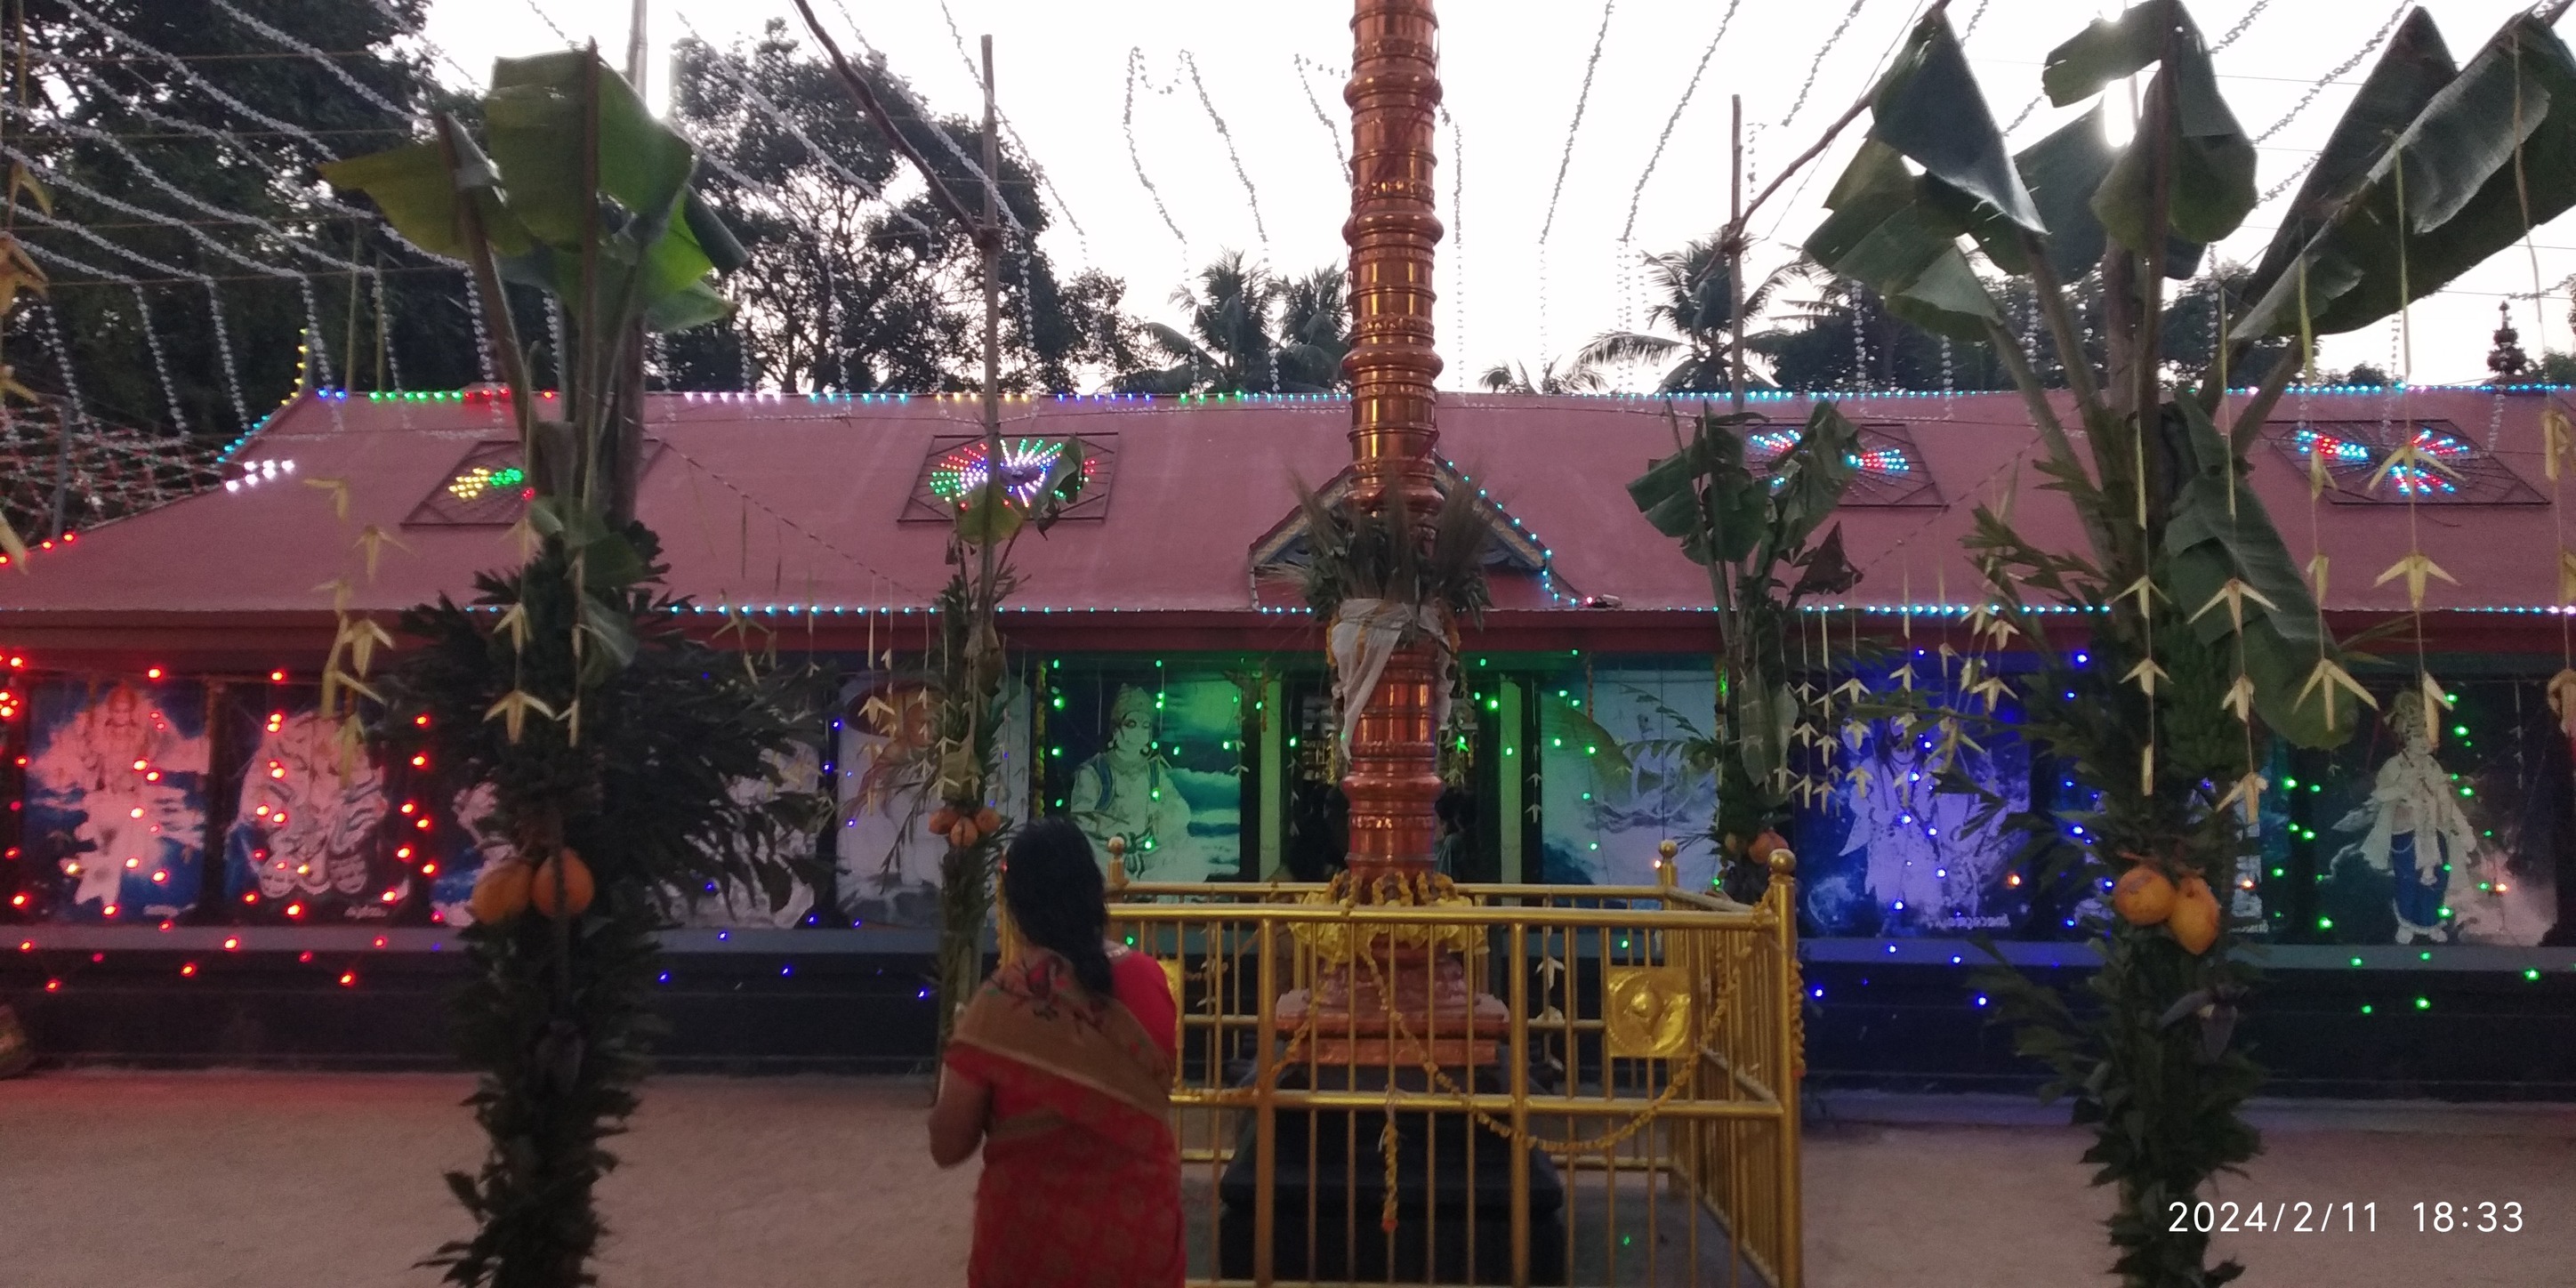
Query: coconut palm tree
[1580,375]
[1693,300]
[1252,332]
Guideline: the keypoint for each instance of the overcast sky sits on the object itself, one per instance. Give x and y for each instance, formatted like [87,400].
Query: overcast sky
[1514,286]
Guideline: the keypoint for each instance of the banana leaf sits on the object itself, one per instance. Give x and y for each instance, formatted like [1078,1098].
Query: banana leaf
[2414,67]
[1810,477]
[2207,543]
[533,115]
[1898,235]
[2464,195]
[2109,49]
[1703,485]
[2211,186]
[419,195]
[1930,109]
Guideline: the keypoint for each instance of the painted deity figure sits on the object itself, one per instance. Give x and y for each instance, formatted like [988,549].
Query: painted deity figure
[114,763]
[1127,791]
[303,827]
[2412,828]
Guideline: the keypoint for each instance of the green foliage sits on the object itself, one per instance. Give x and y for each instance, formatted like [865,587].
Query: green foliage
[89,81]
[2463,180]
[1355,553]
[2150,1067]
[1252,332]
[1752,531]
[848,291]
[2201,629]
[560,1057]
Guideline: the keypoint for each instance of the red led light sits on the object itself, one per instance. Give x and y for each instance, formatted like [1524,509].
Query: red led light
[409,807]
[53,986]
[152,674]
[429,869]
[348,979]
[420,762]
[277,677]
[232,945]
[109,910]
[403,852]
[421,720]
[305,956]
[380,941]
[295,910]
[189,969]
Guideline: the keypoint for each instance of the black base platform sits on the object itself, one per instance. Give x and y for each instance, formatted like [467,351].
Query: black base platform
[1331,1168]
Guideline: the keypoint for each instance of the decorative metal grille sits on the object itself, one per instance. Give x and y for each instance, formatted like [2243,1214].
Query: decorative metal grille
[1888,470]
[955,465]
[2449,468]
[490,488]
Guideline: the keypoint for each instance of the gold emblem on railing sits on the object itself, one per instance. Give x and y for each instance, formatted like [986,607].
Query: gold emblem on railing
[1648,1011]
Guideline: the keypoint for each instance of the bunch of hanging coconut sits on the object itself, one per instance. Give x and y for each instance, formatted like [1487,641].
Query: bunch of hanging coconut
[2146,895]
[561,886]
[965,824]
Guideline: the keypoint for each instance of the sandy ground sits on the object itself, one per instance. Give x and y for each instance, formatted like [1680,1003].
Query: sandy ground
[219,1180]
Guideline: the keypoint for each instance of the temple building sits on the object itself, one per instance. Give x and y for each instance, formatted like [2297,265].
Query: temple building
[171,791]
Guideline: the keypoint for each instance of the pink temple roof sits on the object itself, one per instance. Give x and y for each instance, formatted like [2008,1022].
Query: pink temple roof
[774,501]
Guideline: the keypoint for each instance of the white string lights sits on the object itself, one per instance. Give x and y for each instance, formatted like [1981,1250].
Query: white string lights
[1127,123]
[1190,64]
[1637,193]
[1818,63]
[1332,129]
[2386,29]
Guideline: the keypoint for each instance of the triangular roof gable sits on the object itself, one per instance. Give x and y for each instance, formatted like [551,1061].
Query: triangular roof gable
[1279,552]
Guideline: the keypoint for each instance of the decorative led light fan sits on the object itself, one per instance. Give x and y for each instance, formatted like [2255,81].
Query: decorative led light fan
[471,484]
[1886,468]
[2356,452]
[961,471]
[956,467]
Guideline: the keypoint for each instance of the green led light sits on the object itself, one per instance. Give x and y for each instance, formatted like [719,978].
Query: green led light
[2290,784]
[1556,742]
[2427,955]
[1493,704]
[2423,1003]
[2356,961]
[2459,731]
[2468,791]
[2365,1008]
[1059,702]
[2316,787]
[2532,973]
[2325,923]
[2279,872]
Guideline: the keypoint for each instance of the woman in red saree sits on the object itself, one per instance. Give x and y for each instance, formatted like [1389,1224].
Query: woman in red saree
[1061,1068]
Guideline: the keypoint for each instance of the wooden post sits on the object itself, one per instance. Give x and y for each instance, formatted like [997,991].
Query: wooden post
[62,470]
[1735,261]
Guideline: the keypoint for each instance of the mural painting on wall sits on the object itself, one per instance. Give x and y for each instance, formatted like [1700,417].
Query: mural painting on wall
[306,840]
[1614,784]
[2459,831]
[741,903]
[116,796]
[1887,855]
[1154,758]
[888,858]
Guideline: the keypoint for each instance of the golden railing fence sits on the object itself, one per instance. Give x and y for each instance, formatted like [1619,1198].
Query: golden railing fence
[1604,1089]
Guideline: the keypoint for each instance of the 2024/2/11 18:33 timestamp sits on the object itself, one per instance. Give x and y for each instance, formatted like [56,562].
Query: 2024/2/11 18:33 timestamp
[2295,1217]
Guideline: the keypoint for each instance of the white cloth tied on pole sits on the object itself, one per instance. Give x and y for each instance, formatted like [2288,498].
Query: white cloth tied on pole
[1364,635]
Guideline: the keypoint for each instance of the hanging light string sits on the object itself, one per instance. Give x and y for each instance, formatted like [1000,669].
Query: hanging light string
[313,315]
[1190,63]
[903,94]
[1010,130]
[2319,86]
[1978,15]
[189,75]
[1817,64]
[214,299]
[1127,122]
[776,116]
[2232,32]
[1332,130]
[1637,193]
[1457,256]
[312,54]
[1582,100]
[176,193]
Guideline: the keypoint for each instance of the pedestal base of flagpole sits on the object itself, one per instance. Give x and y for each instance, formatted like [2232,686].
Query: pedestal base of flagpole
[1453,1212]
